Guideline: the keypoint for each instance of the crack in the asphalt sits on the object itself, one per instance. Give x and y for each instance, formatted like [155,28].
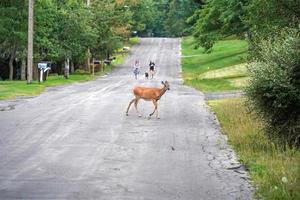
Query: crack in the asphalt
[7,108]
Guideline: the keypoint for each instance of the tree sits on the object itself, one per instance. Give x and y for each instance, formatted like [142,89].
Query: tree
[266,18]
[63,31]
[13,31]
[111,24]
[177,15]
[217,19]
[144,16]
[274,88]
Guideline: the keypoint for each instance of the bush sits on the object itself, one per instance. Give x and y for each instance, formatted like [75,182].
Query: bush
[274,87]
[81,72]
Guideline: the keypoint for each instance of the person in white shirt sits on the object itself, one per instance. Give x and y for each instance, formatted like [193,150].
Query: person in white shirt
[136,68]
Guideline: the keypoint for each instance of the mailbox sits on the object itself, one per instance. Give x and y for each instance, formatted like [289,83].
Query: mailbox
[97,62]
[43,67]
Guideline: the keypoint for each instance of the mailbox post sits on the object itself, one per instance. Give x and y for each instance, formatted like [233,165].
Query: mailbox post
[43,67]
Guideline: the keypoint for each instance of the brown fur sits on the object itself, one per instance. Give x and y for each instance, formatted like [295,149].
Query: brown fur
[148,94]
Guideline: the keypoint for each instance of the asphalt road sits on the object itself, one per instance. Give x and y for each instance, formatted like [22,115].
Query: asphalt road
[75,141]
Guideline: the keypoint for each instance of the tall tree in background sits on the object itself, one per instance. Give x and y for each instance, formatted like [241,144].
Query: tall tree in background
[217,19]
[65,29]
[111,24]
[178,12]
[267,18]
[13,31]
[144,16]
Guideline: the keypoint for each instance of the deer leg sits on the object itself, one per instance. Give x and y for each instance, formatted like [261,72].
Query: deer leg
[157,117]
[135,105]
[129,105]
[155,108]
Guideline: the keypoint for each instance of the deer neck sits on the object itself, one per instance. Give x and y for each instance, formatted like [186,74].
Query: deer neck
[161,92]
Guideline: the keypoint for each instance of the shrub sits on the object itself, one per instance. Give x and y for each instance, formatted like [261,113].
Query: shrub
[274,87]
[81,72]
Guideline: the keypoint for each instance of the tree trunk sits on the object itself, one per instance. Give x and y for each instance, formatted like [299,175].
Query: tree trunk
[67,68]
[30,41]
[88,62]
[93,67]
[11,68]
[72,67]
[23,69]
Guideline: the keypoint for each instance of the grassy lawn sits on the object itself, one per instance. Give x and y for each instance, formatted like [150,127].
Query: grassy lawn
[275,171]
[121,55]
[221,70]
[13,89]
[217,84]
[133,41]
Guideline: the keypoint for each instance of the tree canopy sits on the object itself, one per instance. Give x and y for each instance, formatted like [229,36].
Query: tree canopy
[218,19]
[66,29]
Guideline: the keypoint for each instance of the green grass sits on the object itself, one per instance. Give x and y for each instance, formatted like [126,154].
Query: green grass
[121,55]
[275,172]
[226,72]
[221,70]
[134,40]
[13,89]
[217,84]
[120,58]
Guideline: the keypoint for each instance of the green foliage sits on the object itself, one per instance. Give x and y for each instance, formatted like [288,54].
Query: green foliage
[13,29]
[144,16]
[161,17]
[178,12]
[65,29]
[274,170]
[218,19]
[274,90]
[265,17]
[111,24]
[62,30]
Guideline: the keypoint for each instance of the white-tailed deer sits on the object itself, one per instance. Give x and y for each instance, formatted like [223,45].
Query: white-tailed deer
[148,94]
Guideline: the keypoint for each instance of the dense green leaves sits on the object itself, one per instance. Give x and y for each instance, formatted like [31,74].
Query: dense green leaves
[272,28]
[64,29]
[274,89]
[176,21]
[258,19]
[13,27]
[218,19]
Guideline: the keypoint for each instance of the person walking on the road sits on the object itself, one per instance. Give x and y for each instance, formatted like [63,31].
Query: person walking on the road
[151,69]
[136,68]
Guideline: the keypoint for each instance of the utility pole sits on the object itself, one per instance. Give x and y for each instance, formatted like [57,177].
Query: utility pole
[30,42]
[88,3]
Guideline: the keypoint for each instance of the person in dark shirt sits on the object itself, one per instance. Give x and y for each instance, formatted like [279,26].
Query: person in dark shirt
[151,69]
